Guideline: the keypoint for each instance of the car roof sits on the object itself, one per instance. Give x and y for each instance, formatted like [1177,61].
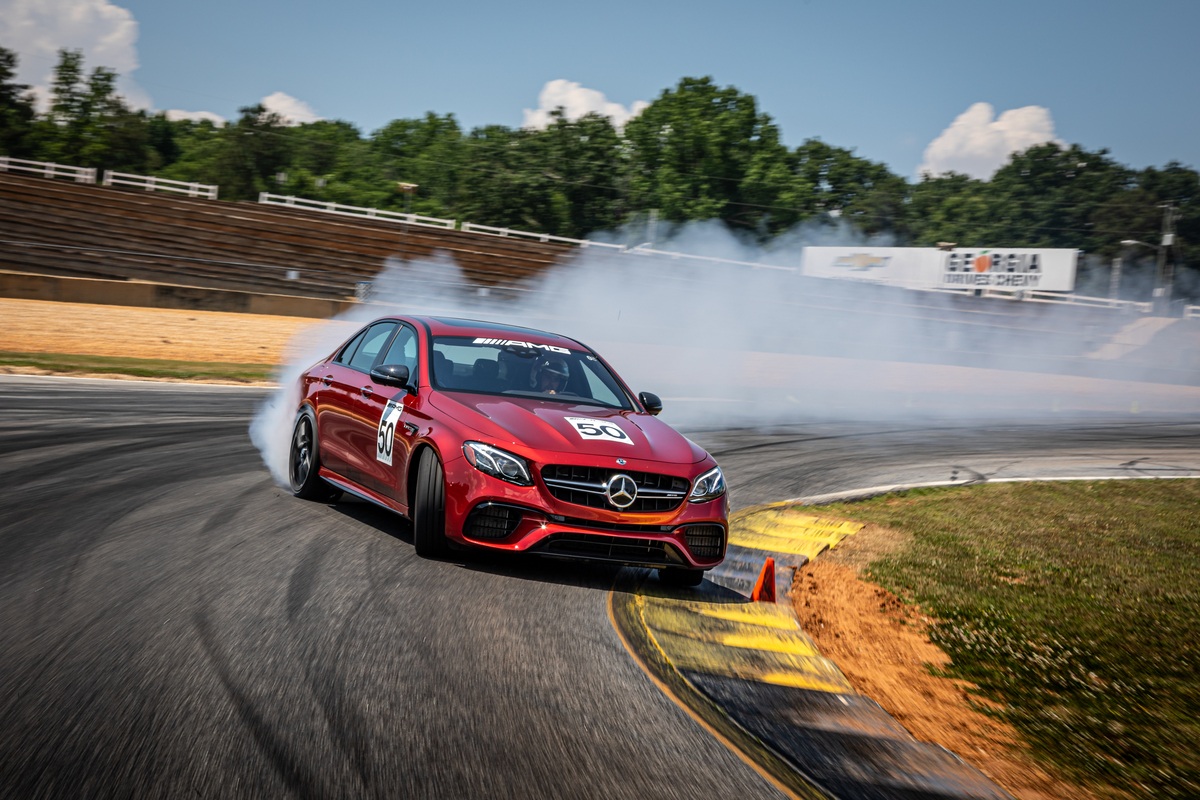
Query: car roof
[454,326]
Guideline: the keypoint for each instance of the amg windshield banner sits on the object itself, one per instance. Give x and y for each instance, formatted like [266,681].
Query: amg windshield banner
[1012,269]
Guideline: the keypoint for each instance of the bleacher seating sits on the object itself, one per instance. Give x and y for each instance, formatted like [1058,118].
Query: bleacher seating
[68,229]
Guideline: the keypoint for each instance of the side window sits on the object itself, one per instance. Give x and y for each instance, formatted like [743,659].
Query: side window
[373,341]
[347,351]
[403,350]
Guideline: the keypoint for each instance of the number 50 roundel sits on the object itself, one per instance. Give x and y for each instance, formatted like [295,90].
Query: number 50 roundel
[386,437]
[593,429]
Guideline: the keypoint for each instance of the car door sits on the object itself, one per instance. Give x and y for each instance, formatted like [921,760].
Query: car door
[349,422]
[331,403]
[394,412]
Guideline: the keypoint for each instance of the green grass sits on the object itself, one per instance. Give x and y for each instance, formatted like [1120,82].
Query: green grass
[1076,606]
[140,367]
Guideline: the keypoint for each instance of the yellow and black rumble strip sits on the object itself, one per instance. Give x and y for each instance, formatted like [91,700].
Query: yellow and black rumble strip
[751,676]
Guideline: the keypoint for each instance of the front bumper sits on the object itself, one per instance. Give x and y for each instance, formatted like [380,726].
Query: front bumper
[483,511]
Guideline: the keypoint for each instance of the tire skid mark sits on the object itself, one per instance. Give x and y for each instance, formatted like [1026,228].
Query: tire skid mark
[304,577]
[296,776]
[52,603]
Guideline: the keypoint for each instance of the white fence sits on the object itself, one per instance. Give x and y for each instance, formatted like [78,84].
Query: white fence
[355,211]
[48,169]
[642,250]
[471,227]
[152,184]
[1094,302]
[1191,312]
[1061,298]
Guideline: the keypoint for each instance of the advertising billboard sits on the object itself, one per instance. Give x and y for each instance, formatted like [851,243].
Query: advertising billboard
[1012,269]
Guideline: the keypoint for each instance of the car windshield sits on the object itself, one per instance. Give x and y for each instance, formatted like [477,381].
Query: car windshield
[511,367]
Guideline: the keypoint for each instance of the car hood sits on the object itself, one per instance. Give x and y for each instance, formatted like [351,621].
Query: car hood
[564,428]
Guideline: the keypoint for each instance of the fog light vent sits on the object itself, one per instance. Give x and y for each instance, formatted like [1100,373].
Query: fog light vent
[705,541]
[492,521]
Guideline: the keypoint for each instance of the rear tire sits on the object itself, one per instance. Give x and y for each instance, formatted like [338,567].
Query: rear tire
[678,576]
[304,463]
[429,508]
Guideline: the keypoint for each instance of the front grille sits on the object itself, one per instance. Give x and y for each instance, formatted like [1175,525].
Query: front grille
[645,552]
[492,521]
[584,486]
[705,541]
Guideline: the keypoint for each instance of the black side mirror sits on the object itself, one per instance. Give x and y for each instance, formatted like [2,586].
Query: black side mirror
[650,402]
[393,375]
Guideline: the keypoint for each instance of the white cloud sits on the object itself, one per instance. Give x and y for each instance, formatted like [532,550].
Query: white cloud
[978,143]
[175,114]
[106,33]
[293,111]
[578,101]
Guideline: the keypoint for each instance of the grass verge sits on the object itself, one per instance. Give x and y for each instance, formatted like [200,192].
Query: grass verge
[59,363]
[1075,605]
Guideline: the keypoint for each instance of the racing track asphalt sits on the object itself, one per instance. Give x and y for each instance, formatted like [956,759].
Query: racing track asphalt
[172,623]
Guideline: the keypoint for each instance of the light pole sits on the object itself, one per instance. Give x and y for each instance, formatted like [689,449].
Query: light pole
[1162,292]
[408,189]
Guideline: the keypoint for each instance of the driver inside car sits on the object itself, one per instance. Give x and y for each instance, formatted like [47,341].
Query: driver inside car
[549,375]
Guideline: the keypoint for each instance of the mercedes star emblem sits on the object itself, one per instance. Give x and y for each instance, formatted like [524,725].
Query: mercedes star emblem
[621,491]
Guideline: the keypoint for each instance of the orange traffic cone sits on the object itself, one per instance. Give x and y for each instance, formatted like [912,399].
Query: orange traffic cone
[764,588]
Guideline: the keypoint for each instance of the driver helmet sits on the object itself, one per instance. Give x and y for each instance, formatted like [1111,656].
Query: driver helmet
[549,375]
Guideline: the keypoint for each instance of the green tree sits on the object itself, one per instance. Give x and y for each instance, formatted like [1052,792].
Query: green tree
[16,109]
[1050,196]
[580,162]
[773,196]
[430,152]
[253,152]
[703,152]
[506,186]
[160,138]
[199,148]
[89,124]
[58,134]
[1178,186]
[948,208]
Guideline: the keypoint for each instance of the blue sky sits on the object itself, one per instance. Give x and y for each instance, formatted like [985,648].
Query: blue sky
[935,83]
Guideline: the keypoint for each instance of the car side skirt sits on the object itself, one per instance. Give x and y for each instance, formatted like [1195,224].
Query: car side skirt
[363,494]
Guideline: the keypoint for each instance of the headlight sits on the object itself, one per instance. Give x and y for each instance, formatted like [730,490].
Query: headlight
[498,463]
[708,486]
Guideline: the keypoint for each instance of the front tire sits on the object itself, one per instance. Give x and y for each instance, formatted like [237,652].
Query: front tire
[429,508]
[304,463]
[677,576]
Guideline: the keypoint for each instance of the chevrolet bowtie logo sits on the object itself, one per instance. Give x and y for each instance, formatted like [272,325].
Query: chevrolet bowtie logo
[861,262]
[621,491]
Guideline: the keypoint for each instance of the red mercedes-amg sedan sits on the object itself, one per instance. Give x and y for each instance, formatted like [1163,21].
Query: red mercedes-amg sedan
[505,438]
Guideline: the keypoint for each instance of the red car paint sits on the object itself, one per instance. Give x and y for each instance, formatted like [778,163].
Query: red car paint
[571,443]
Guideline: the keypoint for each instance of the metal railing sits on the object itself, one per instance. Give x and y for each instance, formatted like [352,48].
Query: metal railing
[48,169]
[266,198]
[1035,296]
[470,227]
[152,184]
[642,250]
[1093,302]
[1191,312]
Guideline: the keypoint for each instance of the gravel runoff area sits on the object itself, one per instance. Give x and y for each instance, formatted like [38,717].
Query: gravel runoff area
[34,326]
